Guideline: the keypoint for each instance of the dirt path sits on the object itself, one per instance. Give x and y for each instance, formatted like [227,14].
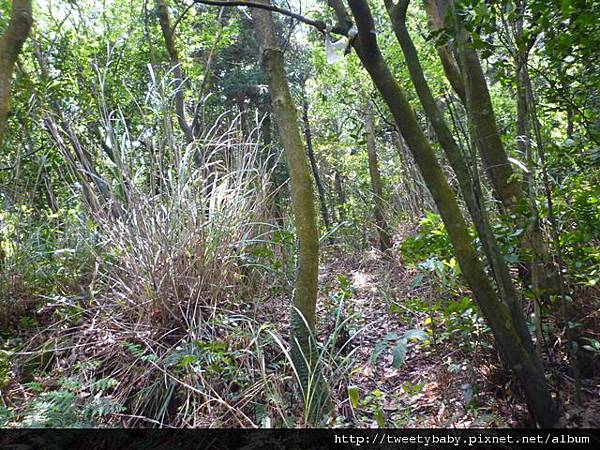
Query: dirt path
[449,380]
[437,386]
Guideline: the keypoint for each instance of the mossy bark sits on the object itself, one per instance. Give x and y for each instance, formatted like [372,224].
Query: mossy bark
[517,353]
[445,52]
[507,187]
[11,43]
[304,352]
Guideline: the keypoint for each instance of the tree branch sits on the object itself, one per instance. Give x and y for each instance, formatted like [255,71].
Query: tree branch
[182,15]
[318,24]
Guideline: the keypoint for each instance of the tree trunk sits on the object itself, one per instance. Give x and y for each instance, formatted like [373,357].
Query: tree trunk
[341,195]
[313,162]
[478,103]
[521,57]
[496,312]
[304,352]
[435,18]
[11,43]
[506,185]
[469,187]
[385,242]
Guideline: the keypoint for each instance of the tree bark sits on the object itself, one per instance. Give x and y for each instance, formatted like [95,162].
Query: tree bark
[474,91]
[11,43]
[304,354]
[435,18]
[385,242]
[506,186]
[496,312]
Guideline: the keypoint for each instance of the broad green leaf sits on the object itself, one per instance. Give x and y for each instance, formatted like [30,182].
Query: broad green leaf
[353,395]
[378,350]
[399,353]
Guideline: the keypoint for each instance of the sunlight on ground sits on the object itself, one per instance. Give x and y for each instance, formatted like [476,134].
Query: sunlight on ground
[361,280]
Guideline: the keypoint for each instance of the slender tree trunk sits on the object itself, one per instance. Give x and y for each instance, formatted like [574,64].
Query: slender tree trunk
[567,312]
[496,312]
[470,189]
[341,195]
[11,43]
[521,57]
[506,185]
[481,113]
[305,291]
[313,162]
[385,242]
[478,103]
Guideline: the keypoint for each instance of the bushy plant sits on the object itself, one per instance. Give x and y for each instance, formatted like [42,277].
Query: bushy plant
[431,239]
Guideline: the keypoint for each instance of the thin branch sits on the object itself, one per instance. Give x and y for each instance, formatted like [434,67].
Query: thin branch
[181,16]
[26,155]
[318,24]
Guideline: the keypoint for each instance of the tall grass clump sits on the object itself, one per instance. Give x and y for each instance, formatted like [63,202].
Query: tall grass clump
[166,333]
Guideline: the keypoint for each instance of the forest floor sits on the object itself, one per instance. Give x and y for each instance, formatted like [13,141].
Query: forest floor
[452,378]
[437,386]
[452,382]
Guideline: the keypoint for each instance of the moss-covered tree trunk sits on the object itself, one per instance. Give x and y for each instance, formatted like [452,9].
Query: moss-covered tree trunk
[519,358]
[506,185]
[469,186]
[304,354]
[11,43]
[385,241]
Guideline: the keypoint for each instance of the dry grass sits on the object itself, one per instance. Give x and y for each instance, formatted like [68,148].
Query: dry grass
[166,333]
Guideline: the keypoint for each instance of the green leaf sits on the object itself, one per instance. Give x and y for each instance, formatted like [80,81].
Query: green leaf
[378,350]
[418,280]
[353,395]
[399,353]
[379,418]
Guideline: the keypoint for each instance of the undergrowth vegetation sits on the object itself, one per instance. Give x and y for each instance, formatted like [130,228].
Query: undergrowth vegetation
[140,304]
[170,207]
